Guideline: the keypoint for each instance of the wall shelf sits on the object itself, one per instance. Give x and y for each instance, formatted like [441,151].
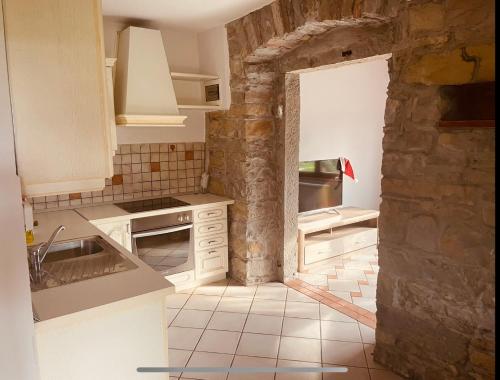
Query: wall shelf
[470,105]
[467,123]
[205,107]
[192,76]
[190,91]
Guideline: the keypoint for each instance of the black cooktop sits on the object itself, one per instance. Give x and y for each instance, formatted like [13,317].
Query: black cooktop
[150,204]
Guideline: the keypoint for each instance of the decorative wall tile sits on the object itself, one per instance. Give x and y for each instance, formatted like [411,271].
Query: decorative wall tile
[140,171]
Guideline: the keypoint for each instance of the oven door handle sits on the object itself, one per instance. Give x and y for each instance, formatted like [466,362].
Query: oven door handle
[161,231]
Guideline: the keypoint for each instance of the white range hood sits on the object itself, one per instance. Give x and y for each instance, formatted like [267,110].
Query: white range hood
[144,93]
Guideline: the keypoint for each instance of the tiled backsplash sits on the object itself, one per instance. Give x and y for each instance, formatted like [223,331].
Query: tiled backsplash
[140,171]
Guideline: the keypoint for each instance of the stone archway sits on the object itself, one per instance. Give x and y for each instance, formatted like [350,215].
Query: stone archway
[247,143]
[435,298]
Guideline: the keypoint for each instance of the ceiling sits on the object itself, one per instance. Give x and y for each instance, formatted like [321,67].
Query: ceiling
[195,15]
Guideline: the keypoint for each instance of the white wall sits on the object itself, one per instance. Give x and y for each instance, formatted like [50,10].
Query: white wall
[214,59]
[342,114]
[183,56]
[17,356]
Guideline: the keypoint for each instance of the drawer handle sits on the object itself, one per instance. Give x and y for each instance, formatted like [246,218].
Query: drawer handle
[210,252]
[212,241]
[210,228]
[211,213]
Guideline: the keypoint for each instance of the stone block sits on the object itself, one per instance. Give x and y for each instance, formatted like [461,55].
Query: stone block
[423,232]
[450,67]
[259,129]
[426,17]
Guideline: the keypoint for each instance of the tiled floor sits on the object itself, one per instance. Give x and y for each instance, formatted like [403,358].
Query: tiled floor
[352,277]
[225,324]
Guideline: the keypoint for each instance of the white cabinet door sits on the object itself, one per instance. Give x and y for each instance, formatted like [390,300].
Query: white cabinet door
[56,66]
[119,232]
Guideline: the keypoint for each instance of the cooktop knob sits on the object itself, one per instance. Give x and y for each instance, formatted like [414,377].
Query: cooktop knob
[180,218]
[186,218]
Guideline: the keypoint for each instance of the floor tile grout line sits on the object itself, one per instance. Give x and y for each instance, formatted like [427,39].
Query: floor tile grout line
[203,332]
[242,329]
[281,331]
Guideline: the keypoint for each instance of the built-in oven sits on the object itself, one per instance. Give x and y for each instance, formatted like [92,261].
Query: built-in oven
[165,242]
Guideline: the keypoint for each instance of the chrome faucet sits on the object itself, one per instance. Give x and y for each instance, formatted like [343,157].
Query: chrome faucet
[39,252]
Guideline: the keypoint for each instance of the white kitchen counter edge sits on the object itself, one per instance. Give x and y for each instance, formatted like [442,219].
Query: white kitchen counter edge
[110,213]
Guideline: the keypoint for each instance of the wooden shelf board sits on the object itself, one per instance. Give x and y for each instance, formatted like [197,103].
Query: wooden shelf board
[467,123]
[198,106]
[192,76]
[337,233]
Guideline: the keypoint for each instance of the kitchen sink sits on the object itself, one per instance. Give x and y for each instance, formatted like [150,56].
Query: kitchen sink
[77,260]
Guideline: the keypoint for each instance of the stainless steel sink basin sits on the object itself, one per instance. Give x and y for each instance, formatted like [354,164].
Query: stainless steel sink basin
[78,260]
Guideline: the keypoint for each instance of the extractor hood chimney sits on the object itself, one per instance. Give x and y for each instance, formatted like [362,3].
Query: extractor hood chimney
[144,93]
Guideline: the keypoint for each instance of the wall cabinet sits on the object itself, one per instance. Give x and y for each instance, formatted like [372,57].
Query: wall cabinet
[56,67]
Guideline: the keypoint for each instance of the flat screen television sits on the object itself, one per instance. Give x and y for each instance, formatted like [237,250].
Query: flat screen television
[320,185]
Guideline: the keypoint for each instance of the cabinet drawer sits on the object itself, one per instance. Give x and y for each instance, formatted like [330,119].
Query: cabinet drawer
[211,241]
[212,227]
[210,214]
[343,243]
[360,240]
[319,252]
[181,279]
[211,262]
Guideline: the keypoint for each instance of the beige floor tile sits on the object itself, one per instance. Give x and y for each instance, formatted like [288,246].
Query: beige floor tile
[252,362]
[240,291]
[367,334]
[314,279]
[329,314]
[221,342]
[368,291]
[302,349]
[344,331]
[302,310]
[192,318]
[183,338]
[208,359]
[214,289]
[352,373]
[265,346]
[344,295]
[343,353]
[274,283]
[297,375]
[178,358]
[227,321]
[235,304]
[369,356]
[271,292]
[263,324]
[301,328]
[171,314]
[177,300]
[343,285]
[382,374]
[268,307]
[366,303]
[296,296]
[200,302]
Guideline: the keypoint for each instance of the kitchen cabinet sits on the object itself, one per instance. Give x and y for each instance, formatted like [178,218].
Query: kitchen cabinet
[211,242]
[118,231]
[56,67]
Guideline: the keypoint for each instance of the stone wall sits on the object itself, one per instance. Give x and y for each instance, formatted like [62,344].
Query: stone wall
[435,297]
[436,283]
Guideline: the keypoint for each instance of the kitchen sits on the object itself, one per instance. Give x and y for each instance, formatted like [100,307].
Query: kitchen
[115,213]
[151,212]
